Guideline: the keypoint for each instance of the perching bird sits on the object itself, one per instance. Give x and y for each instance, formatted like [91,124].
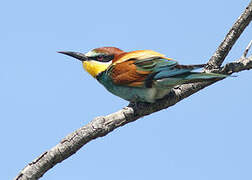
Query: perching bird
[142,75]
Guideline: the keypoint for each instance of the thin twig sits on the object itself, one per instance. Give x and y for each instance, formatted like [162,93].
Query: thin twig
[247,50]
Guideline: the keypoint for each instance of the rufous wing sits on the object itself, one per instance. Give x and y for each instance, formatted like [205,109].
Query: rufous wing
[126,73]
[136,68]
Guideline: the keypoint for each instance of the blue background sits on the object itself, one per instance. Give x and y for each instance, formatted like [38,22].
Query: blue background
[45,95]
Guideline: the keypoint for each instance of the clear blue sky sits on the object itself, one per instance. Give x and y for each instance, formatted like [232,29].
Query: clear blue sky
[45,95]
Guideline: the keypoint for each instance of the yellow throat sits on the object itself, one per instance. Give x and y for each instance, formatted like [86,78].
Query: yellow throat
[94,67]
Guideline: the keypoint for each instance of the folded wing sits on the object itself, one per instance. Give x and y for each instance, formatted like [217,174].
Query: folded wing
[146,68]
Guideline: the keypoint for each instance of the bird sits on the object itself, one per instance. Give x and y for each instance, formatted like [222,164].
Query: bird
[140,75]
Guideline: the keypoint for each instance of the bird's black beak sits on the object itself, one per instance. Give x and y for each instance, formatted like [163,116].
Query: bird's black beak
[76,55]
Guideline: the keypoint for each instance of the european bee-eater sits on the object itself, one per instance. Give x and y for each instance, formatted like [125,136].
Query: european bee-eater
[142,75]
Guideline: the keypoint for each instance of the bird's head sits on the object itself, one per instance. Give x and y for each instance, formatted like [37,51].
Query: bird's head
[96,60]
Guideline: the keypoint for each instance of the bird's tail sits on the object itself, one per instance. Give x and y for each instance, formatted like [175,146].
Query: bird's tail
[188,77]
[201,76]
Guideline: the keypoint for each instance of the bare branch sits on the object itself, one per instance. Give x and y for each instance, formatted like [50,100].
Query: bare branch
[101,126]
[241,64]
[233,34]
[247,49]
[237,66]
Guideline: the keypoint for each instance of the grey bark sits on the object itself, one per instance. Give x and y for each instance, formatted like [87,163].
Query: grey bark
[100,126]
[234,33]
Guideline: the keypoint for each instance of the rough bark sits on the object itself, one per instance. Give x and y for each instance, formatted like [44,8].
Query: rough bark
[234,33]
[100,126]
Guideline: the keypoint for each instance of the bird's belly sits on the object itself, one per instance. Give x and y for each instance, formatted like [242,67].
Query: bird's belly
[134,93]
[138,94]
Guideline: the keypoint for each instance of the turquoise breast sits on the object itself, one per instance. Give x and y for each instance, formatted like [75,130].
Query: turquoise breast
[132,93]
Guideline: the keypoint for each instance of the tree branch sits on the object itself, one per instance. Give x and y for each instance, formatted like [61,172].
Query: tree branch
[100,126]
[237,66]
[241,64]
[247,49]
[233,34]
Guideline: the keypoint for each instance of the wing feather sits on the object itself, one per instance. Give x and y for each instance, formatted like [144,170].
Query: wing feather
[141,68]
[125,73]
[134,68]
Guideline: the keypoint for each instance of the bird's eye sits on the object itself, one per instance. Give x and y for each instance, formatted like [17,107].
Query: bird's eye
[100,58]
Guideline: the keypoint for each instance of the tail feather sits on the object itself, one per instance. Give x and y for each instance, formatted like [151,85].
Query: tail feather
[204,76]
[186,78]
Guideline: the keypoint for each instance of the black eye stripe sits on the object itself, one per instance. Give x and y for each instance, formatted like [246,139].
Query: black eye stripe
[102,58]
